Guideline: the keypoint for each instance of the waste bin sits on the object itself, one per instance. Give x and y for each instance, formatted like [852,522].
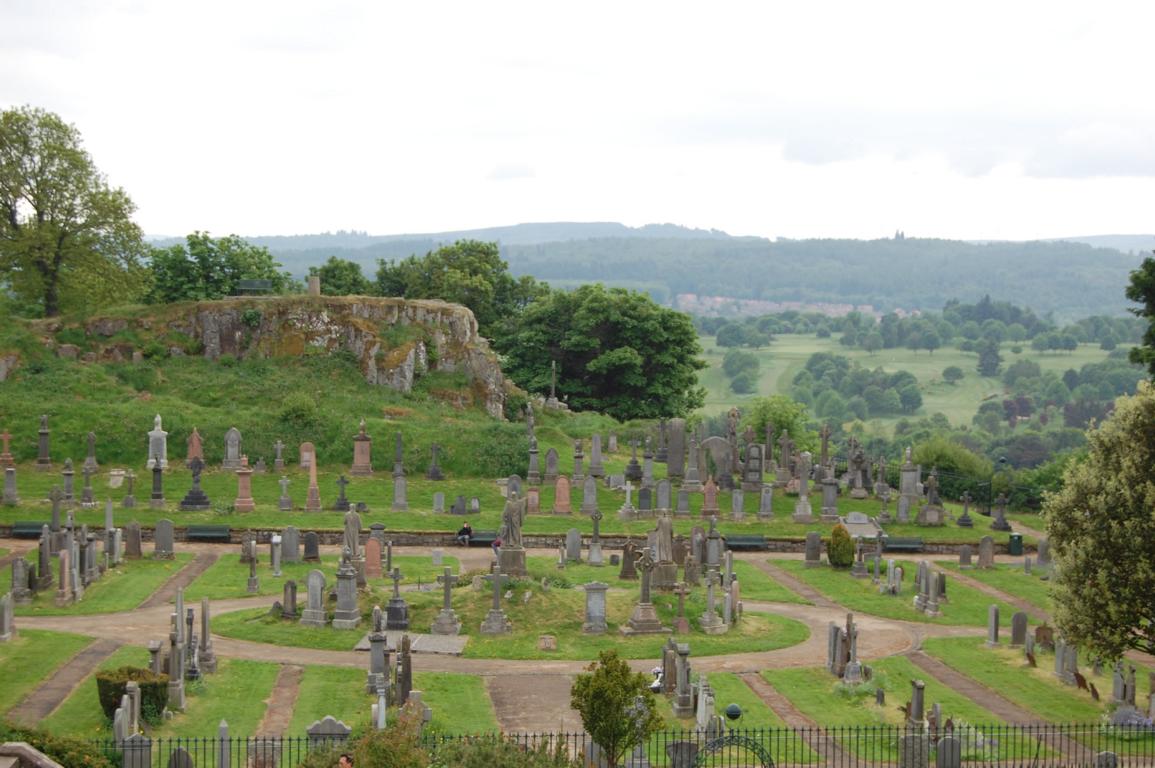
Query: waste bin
[1015,545]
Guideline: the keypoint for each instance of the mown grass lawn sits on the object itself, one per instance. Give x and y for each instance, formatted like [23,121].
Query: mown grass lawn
[122,588]
[31,657]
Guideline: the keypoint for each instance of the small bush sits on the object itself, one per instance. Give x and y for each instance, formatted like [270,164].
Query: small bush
[112,684]
[74,336]
[251,318]
[67,752]
[487,751]
[154,350]
[841,549]
[299,410]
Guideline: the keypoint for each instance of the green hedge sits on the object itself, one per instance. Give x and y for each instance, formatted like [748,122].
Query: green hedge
[111,686]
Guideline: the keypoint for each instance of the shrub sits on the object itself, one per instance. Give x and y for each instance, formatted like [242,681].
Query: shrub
[841,549]
[251,318]
[487,751]
[112,684]
[299,410]
[68,752]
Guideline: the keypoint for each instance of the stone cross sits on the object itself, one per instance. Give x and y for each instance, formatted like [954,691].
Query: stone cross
[396,576]
[497,582]
[341,484]
[825,435]
[681,590]
[596,516]
[646,565]
[447,581]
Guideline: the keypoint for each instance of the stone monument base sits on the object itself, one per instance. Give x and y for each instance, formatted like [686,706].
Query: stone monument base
[595,555]
[351,620]
[513,562]
[446,623]
[496,623]
[665,576]
[311,618]
[397,614]
[931,516]
[644,621]
[712,624]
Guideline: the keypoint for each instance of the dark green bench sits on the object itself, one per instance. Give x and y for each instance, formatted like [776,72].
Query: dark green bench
[27,529]
[482,538]
[895,544]
[746,543]
[219,533]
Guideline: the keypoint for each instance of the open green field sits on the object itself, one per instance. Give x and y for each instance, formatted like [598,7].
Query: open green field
[788,353]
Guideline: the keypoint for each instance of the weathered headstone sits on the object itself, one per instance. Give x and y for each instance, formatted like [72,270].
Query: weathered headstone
[157,446]
[163,540]
[1018,628]
[573,545]
[314,613]
[986,552]
[312,547]
[232,455]
[813,549]
[362,453]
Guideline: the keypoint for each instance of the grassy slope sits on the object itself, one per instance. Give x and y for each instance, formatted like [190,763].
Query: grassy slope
[788,354]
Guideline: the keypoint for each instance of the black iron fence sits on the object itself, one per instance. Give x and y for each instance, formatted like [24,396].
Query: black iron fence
[1097,745]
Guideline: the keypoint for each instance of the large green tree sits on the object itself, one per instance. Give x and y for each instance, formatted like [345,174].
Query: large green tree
[205,268]
[1141,289]
[1101,525]
[341,277]
[616,351]
[469,272]
[786,414]
[616,706]
[67,238]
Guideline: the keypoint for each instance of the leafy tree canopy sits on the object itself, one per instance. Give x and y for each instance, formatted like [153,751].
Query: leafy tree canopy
[469,272]
[341,277]
[208,269]
[616,705]
[616,350]
[1101,526]
[67,239]
[1142,290]
[785,414]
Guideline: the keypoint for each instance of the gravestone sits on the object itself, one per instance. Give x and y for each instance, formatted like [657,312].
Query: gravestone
[664,496]
[289,600]
[446,622]
[573,545]
[157,446]
[561,498]
[313,494]
[163,540]
[987,552]
[595,618]
[813,549]
[291,545]
[132,541]
[314,613]
[551,471]
[232,455]
[195,448]
[400,494]
[373,559]
[11,497]
[597,468]
[196,499]
[439,503]
[737,505]
[629,558]
[433,471]
[362,453]
[496,622]
[1018,629]
[312,547]
[589,495]
[965,554]
[992,626]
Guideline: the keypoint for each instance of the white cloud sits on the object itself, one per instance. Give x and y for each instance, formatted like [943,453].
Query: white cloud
[818,119]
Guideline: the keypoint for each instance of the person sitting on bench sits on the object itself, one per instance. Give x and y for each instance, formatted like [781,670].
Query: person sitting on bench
[465,534]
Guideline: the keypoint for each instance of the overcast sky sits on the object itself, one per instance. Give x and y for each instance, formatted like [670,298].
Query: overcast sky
[804,119]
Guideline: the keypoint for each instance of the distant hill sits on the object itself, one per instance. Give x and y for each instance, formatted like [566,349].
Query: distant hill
[1069,278]
[1125,243]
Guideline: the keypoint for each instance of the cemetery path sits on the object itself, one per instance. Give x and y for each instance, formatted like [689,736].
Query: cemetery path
[795,585]
[52,692]
[166,592]
[279,705]
[1030,609]
[533,703]
[996,704]
[827,748]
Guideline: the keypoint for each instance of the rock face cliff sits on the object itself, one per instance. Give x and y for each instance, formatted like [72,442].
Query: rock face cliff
[395,341]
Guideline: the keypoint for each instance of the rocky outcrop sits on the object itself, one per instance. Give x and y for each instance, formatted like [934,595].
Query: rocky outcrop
[395,341]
